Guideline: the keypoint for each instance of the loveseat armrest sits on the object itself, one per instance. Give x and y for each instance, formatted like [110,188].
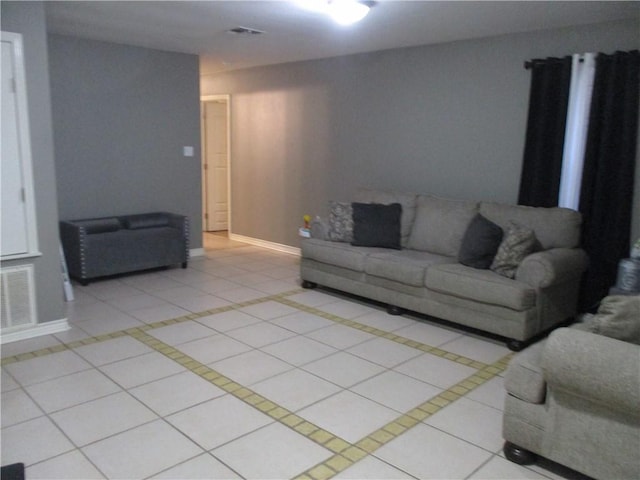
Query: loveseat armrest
[69,230]
[72,237]
[600,369]
[177,221]
[181,222]
[552,267]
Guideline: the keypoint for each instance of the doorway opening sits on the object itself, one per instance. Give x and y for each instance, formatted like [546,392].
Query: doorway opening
[216,159]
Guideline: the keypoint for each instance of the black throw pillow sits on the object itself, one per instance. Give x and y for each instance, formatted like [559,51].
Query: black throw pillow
[480,243]
[376,225]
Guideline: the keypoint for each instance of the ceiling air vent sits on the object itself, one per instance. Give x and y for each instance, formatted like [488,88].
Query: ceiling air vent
[245,31]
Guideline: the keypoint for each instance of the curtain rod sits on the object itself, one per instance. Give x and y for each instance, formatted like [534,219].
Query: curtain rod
[529,64]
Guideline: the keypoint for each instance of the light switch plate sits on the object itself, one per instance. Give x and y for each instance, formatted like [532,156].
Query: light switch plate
[187,151]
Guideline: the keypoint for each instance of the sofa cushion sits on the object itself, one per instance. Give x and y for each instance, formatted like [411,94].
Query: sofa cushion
[376,225]
[146,220]
[618,316]
[554,227]
[518,242]
[337,253]
[480,285]
[387,197]
[440,224]
[99,225]
[340,221]
[405,266]
[480,243]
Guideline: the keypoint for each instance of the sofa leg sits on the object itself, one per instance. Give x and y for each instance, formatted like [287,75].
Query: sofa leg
[308,284]
[518,455]
[394,310]
[84,283]
[184,264]
[516,345]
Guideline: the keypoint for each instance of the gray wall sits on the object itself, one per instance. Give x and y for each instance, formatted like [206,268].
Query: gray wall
[28,19]
[121,116]
[447,119]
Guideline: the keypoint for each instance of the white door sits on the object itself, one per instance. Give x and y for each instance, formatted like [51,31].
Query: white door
[19,237]
[215,166]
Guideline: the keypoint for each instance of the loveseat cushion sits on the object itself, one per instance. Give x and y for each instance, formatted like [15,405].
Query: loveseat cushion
[146,220]
[440,224]
[480,285]
[405,266]
[337,253]
[387,197]
[553,227]
[99,225]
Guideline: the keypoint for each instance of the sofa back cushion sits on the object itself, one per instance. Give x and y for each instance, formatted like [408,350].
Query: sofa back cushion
[553,227]
[440,224]
[388,197]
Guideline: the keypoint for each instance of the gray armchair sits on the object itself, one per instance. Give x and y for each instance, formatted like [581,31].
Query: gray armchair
[575,397]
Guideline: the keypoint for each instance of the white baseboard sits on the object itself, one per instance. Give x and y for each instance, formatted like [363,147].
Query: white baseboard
[196,252]
[46,328]
[266,244]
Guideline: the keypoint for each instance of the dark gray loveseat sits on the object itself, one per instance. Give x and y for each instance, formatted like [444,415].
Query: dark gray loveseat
[99,247]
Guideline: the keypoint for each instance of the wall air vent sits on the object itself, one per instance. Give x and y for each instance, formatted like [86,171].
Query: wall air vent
[18,306]
[244,31]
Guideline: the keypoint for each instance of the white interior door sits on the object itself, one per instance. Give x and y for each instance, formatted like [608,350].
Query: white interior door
[19,235]
[215,165]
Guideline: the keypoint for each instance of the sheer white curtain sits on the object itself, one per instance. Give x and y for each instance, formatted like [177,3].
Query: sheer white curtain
[582,74]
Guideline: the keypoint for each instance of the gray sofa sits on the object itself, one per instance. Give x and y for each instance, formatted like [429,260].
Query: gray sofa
[100,247]
[425,275]
[574,398]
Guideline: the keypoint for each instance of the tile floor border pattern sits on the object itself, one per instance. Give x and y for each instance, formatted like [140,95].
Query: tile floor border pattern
[150,326]
[345,454]
[372,442]
[423,347]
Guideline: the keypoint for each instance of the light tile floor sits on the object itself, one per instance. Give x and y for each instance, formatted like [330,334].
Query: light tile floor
[228,369]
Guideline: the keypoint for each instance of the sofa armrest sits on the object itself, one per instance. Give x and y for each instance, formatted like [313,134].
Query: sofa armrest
[552,267]
[524,378]
[594,367]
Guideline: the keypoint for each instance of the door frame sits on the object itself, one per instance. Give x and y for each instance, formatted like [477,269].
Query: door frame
[212,98]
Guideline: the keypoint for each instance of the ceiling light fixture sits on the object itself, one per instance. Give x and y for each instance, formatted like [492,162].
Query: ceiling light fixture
[347,12]
[343,12]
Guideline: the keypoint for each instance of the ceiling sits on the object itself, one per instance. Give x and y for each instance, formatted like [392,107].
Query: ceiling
[293,33]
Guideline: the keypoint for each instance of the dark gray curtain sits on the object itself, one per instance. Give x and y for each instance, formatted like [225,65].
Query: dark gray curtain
[608,177]
[544,142]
